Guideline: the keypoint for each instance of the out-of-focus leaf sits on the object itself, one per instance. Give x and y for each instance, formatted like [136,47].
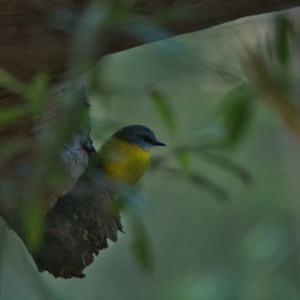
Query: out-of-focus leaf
[219,193]
[33,222]
[11,148]
[201,182]
[34,94]
[117,204]
[284,28]
[129,198]
[141,245]
[3,232]
[164,110]
[37,92]
[183,159]
[11,83]
[13,113]
[155,162]
[92,21]
[234,113]
[228,165]
[275,94]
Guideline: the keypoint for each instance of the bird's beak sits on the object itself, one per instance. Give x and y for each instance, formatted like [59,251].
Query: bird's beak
[158,143]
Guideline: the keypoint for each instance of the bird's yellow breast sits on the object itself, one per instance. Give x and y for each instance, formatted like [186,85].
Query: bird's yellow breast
[123,161]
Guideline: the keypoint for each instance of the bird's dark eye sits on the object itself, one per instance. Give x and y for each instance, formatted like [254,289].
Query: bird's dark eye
[147,139]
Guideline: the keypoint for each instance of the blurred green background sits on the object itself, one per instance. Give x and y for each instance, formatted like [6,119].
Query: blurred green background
[201,249]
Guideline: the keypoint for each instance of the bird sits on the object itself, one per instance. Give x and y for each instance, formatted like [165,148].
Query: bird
[124,156]
[85,218]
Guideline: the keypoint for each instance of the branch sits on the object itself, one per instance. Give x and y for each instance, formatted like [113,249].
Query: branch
[29,42]
[182,16]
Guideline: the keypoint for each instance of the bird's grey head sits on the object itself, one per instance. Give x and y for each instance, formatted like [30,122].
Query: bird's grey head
[138,134]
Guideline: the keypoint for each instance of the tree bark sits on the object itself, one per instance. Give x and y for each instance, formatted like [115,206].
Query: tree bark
[30,42]
[52,37]
[78,226]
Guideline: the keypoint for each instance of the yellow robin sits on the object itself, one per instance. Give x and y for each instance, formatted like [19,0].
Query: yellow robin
[124,156]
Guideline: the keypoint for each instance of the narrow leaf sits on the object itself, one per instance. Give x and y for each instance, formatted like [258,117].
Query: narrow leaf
[37,93]
[33,223]
[155,162]
[141,245]
[229,165]
[11,83]
[183,159]
[164,110]
[283,32]
[219,193]
[11,114]
[234,113]
[201,182]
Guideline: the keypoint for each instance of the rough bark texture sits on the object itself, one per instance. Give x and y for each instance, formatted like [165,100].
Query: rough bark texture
[44,36]
[32,39]
[78,226]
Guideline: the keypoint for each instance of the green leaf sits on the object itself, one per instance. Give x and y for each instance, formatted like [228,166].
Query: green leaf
[229,165]
[11,148]
[33,222]
[183,159]
[3,234]
[11,83]
[284,28]
[37,93]
[12,114]
[201,182]
[141,246]
[129,199]
[234,113]
[164,110]
[154,162]
[117,204]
